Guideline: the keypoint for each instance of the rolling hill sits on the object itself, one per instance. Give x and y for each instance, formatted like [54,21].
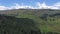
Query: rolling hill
[30,21]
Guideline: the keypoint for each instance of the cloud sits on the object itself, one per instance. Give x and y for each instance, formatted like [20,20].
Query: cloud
[41,6]
[57,4]
[38,6]
[17,6]
[3,8]
[44,6]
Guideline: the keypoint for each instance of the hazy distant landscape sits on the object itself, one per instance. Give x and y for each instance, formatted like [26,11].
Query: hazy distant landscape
[30,21]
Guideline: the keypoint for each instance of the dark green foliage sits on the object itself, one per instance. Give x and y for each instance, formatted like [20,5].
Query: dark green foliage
[44,17]
[53,15]
[13,25]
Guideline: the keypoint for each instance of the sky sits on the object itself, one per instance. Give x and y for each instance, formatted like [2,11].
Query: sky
[29,4]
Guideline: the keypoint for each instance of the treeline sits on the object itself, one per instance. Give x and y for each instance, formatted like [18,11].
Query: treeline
[45,16]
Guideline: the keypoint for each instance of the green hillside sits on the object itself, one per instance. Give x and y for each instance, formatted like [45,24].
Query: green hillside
[30,21]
